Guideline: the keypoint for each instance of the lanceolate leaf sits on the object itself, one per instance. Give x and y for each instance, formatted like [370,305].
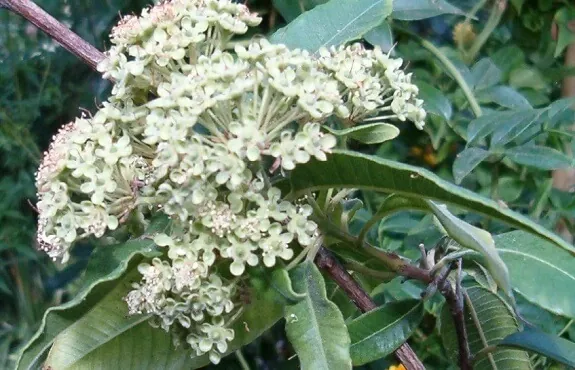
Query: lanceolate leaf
[485,74]
[333,23]
[541,273]
[105,267]
[354,170]
[506,126]
[281,282]
[106,320]
[315,326]
[488,320]
[381,36]
[550,346]
[540,157]
[434,101]
[141,347]
[410,10]
[106,337]
[378,333]
[504,96]
[289,11]
[466,161]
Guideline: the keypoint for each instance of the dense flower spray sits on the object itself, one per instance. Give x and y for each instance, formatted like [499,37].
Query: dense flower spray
[198,131]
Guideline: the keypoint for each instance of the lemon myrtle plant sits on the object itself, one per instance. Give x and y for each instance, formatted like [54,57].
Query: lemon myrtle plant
[217,186]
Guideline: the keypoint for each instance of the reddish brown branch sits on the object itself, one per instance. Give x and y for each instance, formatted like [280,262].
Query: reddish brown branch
[454,299]
[62,34]
[327,262]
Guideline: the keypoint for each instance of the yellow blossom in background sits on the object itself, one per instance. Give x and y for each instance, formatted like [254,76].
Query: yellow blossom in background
[398,367]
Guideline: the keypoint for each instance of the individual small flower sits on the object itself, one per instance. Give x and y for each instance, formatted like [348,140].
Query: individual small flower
[95,219]
[188,273]
[288,152]
[276,245]
[299,225]
[248,140]
[213,339]
[82,161]
[111,152]
[100,184]
[315,142]
[241,253]
[215,296]
[217,217]
[54,200]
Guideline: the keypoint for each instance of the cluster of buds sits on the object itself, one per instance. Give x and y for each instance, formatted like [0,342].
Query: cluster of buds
[200,132]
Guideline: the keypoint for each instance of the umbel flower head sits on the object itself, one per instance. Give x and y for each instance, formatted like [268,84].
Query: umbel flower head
[199,132]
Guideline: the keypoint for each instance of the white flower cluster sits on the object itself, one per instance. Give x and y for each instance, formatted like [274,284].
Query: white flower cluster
[372,83]
[194,131]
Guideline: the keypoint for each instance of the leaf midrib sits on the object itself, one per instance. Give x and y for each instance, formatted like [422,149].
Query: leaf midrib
[388,326]
[316,323]
[531,256]
[351,22]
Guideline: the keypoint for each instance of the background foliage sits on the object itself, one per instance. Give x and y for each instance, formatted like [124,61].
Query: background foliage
[491,75]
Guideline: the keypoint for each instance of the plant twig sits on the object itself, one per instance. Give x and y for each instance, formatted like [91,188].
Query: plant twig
[327,262]
[454,298]
[457,76]
[494,18]
[56,30]
[401,267]
[242,360]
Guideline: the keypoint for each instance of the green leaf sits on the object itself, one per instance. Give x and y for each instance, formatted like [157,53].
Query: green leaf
[315,326]
[381,36]
[98,337]
[527,77]
[509,188]
[504,96]
[505,126]
[550,346]
[485,74]
[106,265]
[379,332]
[281,282]
[290,10]
[373,133]
[471,237]
[147,347]
[333,23]
[565,35]
[410,10]
[556,110]
[483,126]
[141,347]
[89,330]
[509,125]
[508,131]
[508,58]
[434,101]
[517,4]
[346,169]
[540,157]
[541,273]
[466,161]
[488,320]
